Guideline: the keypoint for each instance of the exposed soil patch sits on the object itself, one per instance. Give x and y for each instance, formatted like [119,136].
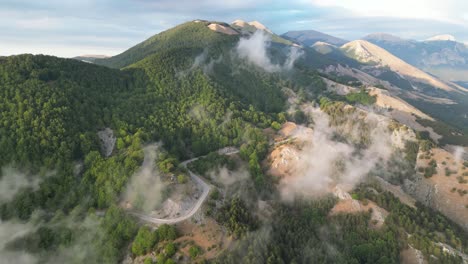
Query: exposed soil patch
[222,29]
[209,236]
[412,256]
[447,189]
[348,205]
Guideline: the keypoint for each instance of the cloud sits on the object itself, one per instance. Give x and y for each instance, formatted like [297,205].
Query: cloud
[294,54]
[144,190]
[66,28]
[82,249]
[8,232]
[323,162]
[450,10]
[228,178]
[201,61]
[255,50]
[13,180]
[458,153]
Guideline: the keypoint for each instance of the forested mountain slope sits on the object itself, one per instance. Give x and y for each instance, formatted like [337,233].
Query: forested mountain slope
[190,34]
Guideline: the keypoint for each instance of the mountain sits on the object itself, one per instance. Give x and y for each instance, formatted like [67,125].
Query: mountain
[384,37]
[445,37]
[309,37]
[439,55]
[367,52]
[194,34]
[90,58]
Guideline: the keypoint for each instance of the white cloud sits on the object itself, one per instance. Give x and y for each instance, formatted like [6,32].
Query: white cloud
[44,23]
[144,190]
[255,50]
[449,10]
[323,163]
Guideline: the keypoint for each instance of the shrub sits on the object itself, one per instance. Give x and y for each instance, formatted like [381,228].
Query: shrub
[182,179]
[170,249]
[194,251]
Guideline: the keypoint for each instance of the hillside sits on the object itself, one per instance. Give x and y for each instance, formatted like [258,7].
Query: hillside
[367,52]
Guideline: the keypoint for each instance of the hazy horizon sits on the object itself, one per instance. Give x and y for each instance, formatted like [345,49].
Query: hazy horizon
[68,29]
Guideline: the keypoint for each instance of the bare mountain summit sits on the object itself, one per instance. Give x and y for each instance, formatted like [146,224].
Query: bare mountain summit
[367,52]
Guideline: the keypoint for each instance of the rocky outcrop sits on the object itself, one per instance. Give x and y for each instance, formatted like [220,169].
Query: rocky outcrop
[107,141]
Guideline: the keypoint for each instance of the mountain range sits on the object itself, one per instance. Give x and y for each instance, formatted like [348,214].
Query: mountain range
[228,143]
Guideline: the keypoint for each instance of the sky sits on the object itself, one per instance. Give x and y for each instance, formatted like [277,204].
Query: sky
[68,28]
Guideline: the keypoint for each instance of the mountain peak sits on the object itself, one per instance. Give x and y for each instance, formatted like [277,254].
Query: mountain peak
[239,22]
[259,25]
[323,47]
[383,37]
[445,37]
[255,24]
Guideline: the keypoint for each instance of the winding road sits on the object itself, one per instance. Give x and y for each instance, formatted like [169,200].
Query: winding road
[205,187]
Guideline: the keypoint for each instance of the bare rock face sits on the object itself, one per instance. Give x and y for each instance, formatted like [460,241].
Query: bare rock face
[445,191]
[421,190]
[107,141]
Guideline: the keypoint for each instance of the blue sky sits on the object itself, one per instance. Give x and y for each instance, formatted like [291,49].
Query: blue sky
[68,28]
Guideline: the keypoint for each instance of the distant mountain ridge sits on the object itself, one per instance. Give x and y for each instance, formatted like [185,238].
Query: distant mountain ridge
[440,55]
[310,37]
[367,52]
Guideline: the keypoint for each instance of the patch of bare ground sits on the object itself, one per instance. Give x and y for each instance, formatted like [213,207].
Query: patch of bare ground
[386,100]
[339,88]
[448,190]
[285,154]
[348,205]
[412,256]
[363,77]
[211,237]
[409,120]
[222,29]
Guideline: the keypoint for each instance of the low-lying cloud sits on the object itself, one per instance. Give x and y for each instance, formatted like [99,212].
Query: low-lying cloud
[13,180]
[202,61]
[294,54]
[87,233]
[144,191]
[255,50]
[324,162]
[10,231]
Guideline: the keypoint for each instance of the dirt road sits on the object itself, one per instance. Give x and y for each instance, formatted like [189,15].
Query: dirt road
[205,187]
